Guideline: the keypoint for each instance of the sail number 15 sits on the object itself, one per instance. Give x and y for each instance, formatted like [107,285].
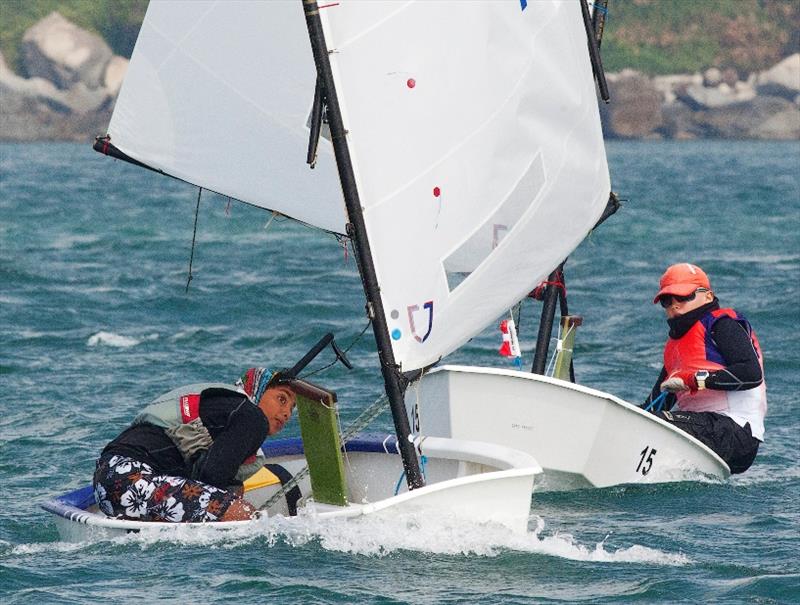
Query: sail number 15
[646,460]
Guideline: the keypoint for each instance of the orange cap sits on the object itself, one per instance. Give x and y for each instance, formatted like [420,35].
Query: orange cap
[682,279]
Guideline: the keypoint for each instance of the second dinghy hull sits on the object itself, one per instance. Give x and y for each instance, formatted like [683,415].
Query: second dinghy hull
[582,437]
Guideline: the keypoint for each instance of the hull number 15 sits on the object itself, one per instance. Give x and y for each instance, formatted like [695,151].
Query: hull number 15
[646,460]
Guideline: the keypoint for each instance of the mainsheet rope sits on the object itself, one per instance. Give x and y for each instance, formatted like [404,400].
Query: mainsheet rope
[194,237]
[657,404]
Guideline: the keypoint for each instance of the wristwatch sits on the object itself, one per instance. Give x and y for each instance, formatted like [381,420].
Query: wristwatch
[701,376]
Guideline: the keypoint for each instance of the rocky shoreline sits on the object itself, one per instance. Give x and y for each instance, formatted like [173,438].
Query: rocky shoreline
[716,104]
[73,79]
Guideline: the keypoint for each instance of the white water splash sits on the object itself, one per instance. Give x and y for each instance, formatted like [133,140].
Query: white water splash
[379,537]
[681,472]
[36,548]
[759,475]
[111,339]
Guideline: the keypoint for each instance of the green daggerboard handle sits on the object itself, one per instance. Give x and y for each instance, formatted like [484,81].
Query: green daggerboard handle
[322,444]
[569,323]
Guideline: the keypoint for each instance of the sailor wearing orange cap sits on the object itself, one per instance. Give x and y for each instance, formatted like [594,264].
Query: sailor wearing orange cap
[713,370]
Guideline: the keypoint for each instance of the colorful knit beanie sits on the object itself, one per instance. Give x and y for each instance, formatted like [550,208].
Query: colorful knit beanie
[254,382]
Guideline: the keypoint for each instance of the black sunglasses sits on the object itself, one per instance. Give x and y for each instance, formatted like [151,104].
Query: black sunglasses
[666,300]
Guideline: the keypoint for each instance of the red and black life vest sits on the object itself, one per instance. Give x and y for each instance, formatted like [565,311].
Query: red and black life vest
[696,350]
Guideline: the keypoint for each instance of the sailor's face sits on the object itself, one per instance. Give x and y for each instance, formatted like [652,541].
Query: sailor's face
[277,404]
[677,308]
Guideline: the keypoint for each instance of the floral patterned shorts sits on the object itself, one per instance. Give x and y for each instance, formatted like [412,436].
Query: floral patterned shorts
[127,488]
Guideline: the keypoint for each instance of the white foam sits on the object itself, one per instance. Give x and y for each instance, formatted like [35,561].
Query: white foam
[380,537]
[682,472]
[766,474]
[65,242]
[36,548]
[111,339]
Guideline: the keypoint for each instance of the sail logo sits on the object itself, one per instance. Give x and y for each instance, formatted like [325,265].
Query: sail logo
[412,310]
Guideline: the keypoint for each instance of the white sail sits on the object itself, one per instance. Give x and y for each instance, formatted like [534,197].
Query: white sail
[476,144]
[219,94]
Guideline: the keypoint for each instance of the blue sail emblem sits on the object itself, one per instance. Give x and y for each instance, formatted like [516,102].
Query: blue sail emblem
[412,309]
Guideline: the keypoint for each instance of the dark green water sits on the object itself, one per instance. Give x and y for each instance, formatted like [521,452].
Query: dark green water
[94,320]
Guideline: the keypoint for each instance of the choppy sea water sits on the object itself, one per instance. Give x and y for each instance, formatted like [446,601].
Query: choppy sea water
[95,320]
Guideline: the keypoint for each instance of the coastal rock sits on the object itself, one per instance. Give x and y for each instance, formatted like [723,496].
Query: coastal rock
[679,122]
[33,113]
[730,77]
[712,77]
[635,110]
[82,99]
[782,79]
[115,74]
[14,90]
[25,113]
[759,118]
[65,54]
[17,90]
[701,97]
[669,86]
[33,109]
[783,125]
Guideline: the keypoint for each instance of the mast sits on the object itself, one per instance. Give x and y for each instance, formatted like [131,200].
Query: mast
[356,229]
[551,295]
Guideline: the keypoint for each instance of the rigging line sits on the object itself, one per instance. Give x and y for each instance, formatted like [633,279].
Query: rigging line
[417,423]
[367,416]
[194,237]
[350,346]
[345,453]
[559,347]
[271,218]
[342,241]
[658,401]
[551,363]
[518,309]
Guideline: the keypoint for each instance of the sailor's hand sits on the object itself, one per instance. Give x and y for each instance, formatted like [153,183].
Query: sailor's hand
[680,381]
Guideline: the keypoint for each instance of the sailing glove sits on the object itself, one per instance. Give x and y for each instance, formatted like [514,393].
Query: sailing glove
[683,380]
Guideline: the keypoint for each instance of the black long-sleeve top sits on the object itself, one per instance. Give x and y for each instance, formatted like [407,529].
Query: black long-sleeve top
[236,425]
[742,369]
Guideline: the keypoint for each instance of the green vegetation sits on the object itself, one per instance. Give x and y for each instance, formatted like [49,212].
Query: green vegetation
[679,36]
[117,21]
[653,36]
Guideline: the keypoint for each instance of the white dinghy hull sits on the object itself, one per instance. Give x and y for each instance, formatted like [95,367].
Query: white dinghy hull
[582,437]
[473,482]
